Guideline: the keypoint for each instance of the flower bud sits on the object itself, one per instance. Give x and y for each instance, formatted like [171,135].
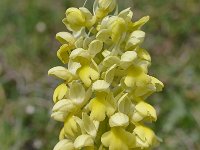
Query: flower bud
[105,7]
[78,18]
[75,17]
[108,5]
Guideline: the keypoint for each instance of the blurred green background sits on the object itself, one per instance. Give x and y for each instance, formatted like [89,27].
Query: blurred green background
[28,50]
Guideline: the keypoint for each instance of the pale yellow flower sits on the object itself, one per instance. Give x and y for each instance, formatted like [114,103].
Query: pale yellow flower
[104,7]
[145,137]
[144,111]
[100,107]
[78,18]
[118,139]
[102,100]
[87,75]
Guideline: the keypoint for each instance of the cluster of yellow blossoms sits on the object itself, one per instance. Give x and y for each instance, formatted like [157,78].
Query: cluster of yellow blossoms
[102,100]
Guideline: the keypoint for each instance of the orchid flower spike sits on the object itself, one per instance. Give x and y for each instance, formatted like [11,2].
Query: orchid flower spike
[102,100]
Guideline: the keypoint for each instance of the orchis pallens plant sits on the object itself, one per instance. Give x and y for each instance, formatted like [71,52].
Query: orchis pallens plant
[102,100]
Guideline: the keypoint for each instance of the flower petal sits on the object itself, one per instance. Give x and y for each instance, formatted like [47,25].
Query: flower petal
[136,77]
[83,141]
[64,105]
[158,84]
[71,127]
[89,125]
[65,37]
[73,67]
[80,124]
[74,15]
[87,74]
[125,105]
[106,53]
[126,14]
[64,144]
[63,52]
[119,120]
[104,35]
[61,72]
[129,56]
[127,59]
[62,134]
[136,38]
[100,86]
[117,27]
[90,20]
[95,47]
[107,4]
[101,106]
[98,109]
[79,42]
[79,53]
[59,116]
[86,13]
[110,61]
[145,137]
[138,24]
[60,92]
[144,110]
[77,93]
[143,54]
[118,139]
[110,74]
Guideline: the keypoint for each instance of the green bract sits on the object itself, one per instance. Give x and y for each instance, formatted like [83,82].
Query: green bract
[102,101]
